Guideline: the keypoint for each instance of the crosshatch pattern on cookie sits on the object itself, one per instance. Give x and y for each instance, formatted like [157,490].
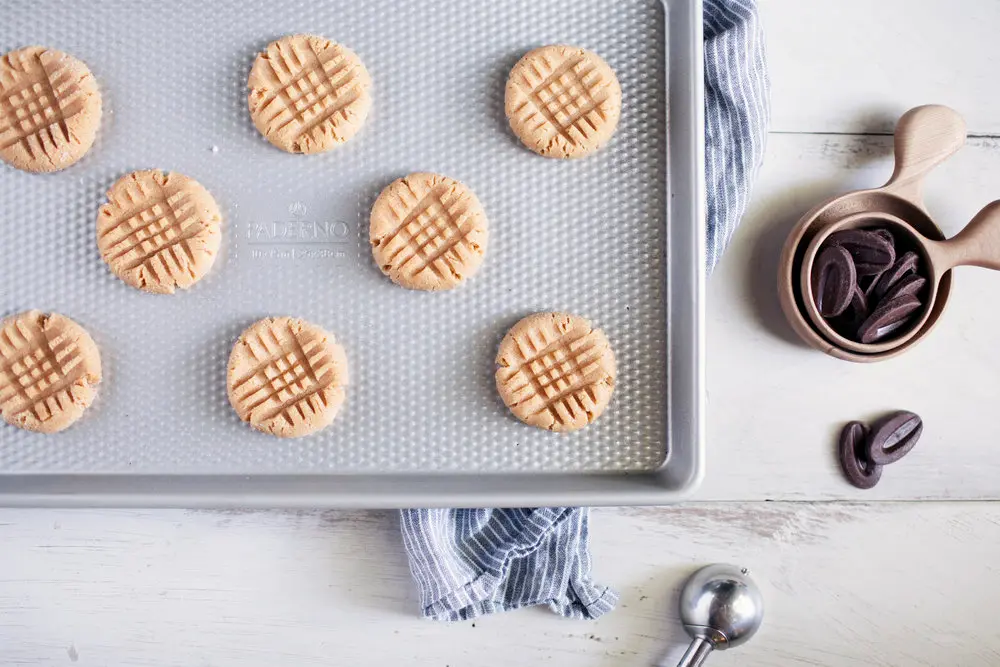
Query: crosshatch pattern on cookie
[45,97]
[555,371]
[563,101]
[428,232]
[569,99]
[289,375]
[45,375]
[158,231]
[308,93]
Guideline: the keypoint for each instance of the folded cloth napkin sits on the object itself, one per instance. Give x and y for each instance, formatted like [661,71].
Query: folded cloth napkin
[469,562]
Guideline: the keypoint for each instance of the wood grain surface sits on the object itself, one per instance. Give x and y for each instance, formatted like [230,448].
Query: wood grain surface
[857,65]
[775,405]
[858,584]
[904,574]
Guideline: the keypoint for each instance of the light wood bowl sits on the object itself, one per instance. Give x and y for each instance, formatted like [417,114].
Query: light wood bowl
[978,244]
[924,137]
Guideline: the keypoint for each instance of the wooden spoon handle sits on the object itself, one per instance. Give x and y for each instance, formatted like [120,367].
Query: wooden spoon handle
[976,245]
[925,137]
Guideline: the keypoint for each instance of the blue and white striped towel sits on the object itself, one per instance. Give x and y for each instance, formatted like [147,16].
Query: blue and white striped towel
[469,562]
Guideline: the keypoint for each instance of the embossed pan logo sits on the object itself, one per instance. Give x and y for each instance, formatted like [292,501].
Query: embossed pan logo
[298,229]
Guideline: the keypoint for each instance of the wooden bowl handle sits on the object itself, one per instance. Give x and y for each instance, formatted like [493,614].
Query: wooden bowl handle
[925,136]
[976,245]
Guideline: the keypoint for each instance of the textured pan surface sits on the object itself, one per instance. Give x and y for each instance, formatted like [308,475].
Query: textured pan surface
[586,237]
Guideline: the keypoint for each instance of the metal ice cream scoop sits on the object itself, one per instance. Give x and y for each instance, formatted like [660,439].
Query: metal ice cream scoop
[721,607]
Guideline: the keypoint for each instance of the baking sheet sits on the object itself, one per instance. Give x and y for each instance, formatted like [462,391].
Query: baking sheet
[589,237]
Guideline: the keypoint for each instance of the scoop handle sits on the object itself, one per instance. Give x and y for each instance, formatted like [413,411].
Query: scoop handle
[696,653]
[925,137]
[978,244]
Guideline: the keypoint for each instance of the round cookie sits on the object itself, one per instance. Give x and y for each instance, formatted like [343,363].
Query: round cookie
[49,371]
[50,109]
[287,377]
[428,232]
[555,371]
[308,94]
[563,101]
[159,231]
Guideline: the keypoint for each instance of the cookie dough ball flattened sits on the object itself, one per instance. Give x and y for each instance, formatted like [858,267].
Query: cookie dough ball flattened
[563,101]
[428,232]
[49,371]
[287,377]
[159,231]
[50,109]
[308,94]
[555,371]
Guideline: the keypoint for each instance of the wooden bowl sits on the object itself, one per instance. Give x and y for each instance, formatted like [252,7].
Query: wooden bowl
[978,244]
[901,230]
[924,137]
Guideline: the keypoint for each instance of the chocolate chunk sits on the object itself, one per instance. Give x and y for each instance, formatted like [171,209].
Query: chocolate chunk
[887,235]
[848,322]
[887,317]
[904,266]
[872,252]
[911,284]
[885,331]
[859,304]
[833,281]
[868,283]
[893,437]
[852,452]
[887,294]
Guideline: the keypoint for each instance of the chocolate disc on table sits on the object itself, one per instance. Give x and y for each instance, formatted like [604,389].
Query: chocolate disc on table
[852,454]
[893,437]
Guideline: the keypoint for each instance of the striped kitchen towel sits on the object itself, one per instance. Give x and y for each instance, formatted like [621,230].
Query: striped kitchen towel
[469,562]
[737,113]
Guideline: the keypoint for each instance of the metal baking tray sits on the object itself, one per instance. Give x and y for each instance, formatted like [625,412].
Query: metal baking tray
[616,237]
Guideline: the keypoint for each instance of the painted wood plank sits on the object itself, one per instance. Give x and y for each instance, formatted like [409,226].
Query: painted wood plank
[775,406]
[855,65]
[854,585]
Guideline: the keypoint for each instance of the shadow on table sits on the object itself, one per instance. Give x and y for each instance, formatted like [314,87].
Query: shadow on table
[675,638]
[773,219]
[762,265]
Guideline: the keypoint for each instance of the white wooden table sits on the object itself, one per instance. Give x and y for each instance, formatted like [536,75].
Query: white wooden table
[905,574]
